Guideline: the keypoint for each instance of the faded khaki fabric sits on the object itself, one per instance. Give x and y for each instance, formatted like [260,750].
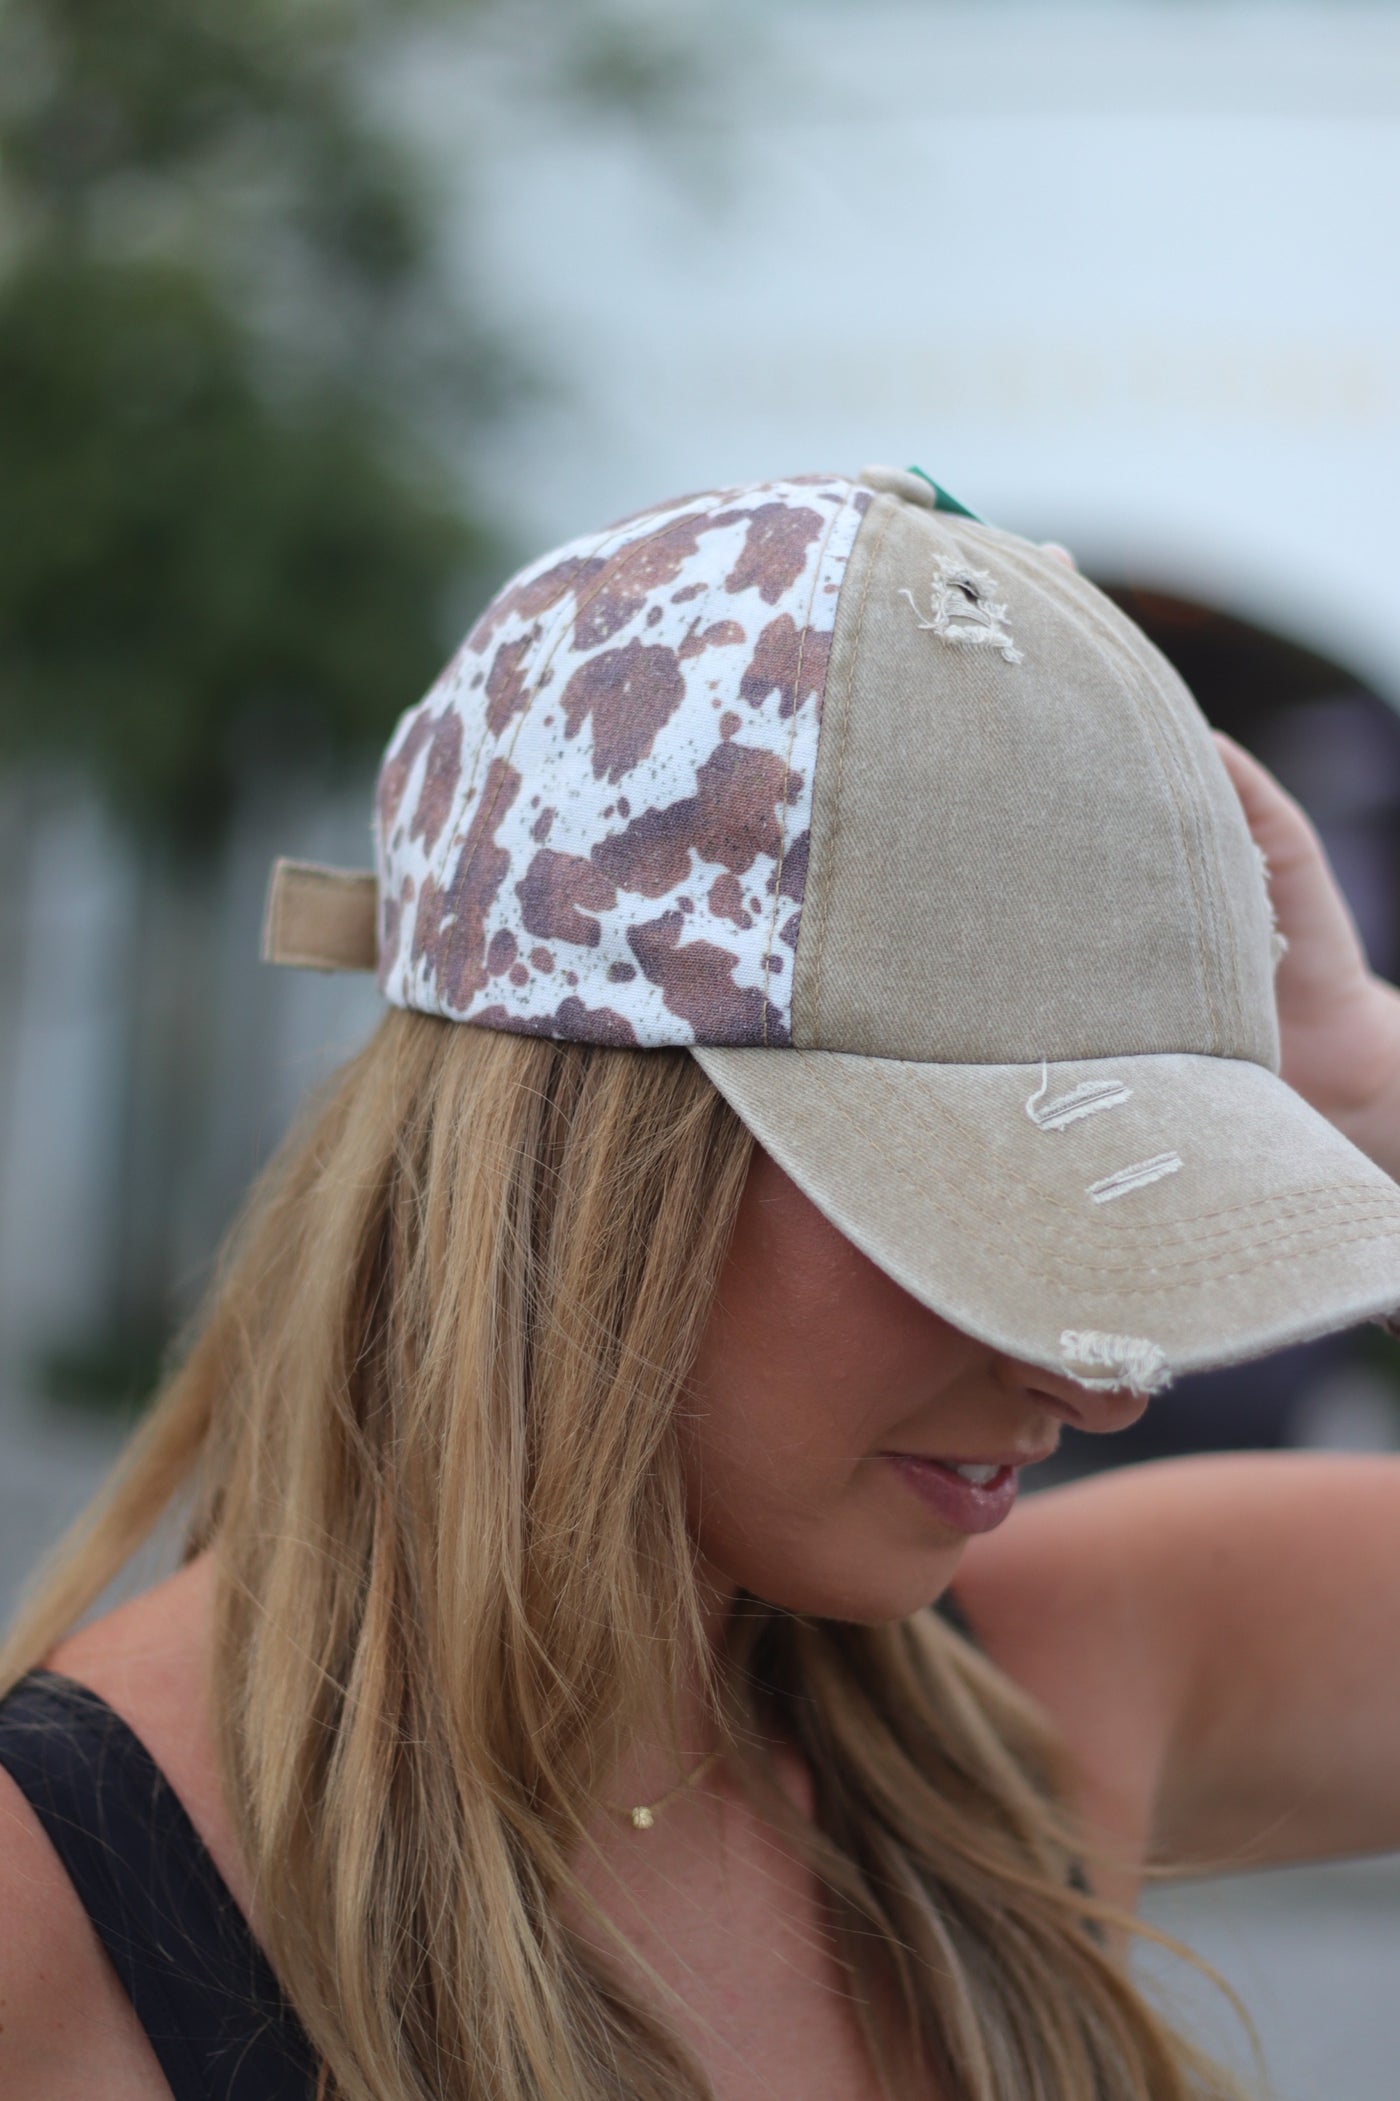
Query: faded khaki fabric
[321,918]
[1013,861]
[1270,1230]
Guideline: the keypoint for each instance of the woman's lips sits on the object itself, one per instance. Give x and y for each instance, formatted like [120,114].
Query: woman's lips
[965,1505]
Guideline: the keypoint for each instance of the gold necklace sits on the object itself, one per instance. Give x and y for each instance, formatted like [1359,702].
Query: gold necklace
[643,1815]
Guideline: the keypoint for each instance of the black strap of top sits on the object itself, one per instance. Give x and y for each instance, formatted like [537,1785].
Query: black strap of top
[202,1988]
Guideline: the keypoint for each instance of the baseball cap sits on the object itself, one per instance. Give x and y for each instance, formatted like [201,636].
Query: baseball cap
[926,854]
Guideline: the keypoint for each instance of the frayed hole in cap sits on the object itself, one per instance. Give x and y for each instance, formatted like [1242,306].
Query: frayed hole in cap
[1104,1363]
[1278,942]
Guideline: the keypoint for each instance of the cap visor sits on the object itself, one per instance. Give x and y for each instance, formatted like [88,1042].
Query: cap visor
[1194,1205]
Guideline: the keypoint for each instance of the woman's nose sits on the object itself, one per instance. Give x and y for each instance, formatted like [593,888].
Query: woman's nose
[1099,1410]
[1102,1413]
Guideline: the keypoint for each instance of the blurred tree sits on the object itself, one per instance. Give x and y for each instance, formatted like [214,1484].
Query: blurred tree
[223,539]
[237,384]
[225,544]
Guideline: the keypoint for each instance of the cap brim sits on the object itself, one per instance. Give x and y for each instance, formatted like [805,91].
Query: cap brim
[1195,1206]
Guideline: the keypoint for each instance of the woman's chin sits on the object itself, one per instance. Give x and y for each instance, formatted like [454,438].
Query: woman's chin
[869,1597]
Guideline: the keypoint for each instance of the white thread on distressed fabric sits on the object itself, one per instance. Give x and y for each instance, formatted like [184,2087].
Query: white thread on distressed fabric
[1084,1100]
[1104,1363]
[963,608]
[1135,1177]
[1278,942]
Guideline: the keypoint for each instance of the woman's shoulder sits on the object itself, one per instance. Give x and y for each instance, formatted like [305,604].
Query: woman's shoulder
[149,1661]
[67,2027]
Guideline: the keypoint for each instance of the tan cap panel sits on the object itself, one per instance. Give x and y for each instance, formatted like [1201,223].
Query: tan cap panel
[1020,824]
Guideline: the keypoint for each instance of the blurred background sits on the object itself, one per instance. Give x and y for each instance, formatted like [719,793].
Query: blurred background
[318,316]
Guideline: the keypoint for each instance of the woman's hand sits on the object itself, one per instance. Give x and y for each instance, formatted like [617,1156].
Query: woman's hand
[1339,1022]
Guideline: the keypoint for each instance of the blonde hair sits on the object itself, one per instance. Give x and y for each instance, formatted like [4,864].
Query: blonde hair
[428,1426]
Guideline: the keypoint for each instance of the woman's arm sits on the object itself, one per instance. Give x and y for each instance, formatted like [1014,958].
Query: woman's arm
[1219,1642]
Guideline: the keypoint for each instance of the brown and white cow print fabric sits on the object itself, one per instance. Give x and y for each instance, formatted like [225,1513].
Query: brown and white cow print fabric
[595,825]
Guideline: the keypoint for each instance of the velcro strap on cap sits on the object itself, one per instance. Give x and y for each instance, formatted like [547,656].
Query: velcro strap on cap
[320,918]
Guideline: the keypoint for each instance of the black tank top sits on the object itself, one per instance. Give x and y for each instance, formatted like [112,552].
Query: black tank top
[201,1986]
[202,1989]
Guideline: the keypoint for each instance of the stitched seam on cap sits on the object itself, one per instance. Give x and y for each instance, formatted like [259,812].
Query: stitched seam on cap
[1343,1196]
[975,1153]
[1221,917]
[1135,679]
[1112,646]
[1283,1248]
[835,832]
[1301,1227]
[1348,1200]
[1070,1267]
[836,516]
[1170,763]
[1287,1247]
[1108,646]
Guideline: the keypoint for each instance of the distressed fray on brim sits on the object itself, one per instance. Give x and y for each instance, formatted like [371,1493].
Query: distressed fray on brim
[1269,1229]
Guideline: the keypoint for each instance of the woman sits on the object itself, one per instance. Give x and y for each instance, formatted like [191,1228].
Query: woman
[833,1044]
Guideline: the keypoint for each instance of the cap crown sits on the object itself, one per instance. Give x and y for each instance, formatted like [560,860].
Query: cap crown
[1024,843]
[804,764]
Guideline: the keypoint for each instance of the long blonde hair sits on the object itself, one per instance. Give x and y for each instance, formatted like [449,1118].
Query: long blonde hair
[427,1425]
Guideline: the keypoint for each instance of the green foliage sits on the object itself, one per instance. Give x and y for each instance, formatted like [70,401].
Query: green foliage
[224,540]
[192,582]
[237,384]
[112,1376]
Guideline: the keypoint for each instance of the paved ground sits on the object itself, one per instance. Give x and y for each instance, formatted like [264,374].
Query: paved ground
[1314,1953]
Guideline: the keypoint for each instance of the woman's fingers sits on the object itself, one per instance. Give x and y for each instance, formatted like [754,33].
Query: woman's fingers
[1324,948]
[1339,1025]
[1270,809]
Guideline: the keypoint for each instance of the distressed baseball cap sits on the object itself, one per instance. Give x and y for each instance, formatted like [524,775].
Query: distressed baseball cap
[926,854]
